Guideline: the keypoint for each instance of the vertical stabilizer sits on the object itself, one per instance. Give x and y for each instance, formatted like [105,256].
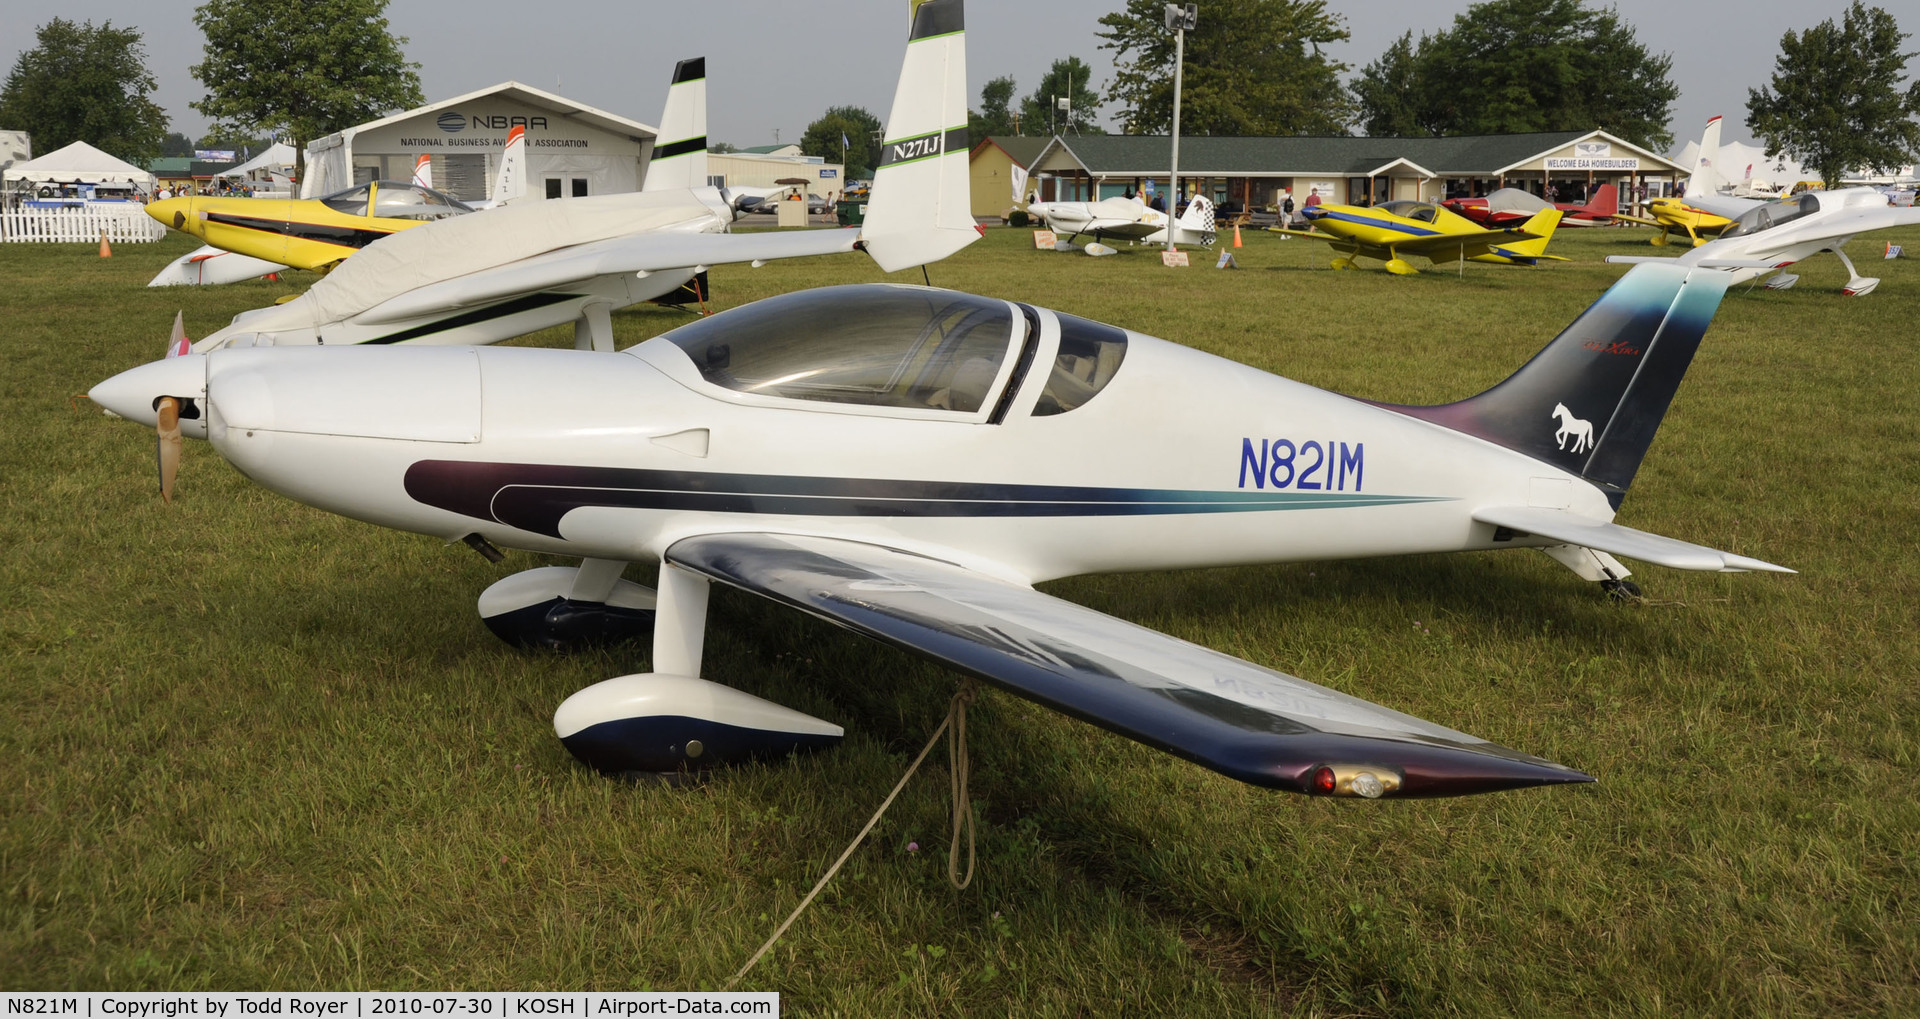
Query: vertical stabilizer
[680,150]
[1706,178]
[1604,203]
[510,182]
[423,170]
[1591,401]
[921,209]
[1541,224]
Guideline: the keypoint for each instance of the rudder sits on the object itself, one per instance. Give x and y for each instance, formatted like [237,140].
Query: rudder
[680,150]
[1591,400]
[921,209]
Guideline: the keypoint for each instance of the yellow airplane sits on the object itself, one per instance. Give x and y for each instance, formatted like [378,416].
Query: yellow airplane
[309,233]
[1674,215]
[1393,229]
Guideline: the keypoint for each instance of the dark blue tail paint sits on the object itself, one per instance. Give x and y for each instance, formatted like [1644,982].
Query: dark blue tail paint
[1591,401]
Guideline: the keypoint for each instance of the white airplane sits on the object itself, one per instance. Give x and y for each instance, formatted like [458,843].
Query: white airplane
[1768,236]
[208,265]
[1126,219]
[907,462]
[483,279]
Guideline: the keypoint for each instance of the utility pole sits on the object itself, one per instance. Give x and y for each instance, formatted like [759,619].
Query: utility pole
[1180,18]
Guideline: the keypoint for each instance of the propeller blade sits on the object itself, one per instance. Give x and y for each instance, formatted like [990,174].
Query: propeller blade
[169,446]
[178,344]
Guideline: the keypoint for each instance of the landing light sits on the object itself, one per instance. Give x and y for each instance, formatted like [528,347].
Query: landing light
[1364,780]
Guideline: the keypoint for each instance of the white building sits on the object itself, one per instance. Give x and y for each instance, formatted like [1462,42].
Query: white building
[572,150]
[763,170]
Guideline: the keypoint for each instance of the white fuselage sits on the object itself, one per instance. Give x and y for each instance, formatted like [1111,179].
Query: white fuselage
[1841,214]
[1182,430]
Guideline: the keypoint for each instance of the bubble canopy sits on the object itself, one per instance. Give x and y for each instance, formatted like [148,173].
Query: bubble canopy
[873,344]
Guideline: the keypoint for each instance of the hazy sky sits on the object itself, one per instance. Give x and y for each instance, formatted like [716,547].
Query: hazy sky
[775,67]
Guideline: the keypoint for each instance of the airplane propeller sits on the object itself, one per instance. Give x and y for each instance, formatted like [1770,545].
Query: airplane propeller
[168,430]
[168,427]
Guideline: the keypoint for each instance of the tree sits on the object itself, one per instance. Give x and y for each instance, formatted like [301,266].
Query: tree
[1253,67]
[860,129]
[176,144]
[1517,66]
[1835,103]
[996,114]
[306,68]
[1068,78]
[81,83]
[722,148]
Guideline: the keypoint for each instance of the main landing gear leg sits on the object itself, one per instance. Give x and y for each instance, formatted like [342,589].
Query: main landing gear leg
[593,330]
[1857,285]
[1595,565]
[670,723]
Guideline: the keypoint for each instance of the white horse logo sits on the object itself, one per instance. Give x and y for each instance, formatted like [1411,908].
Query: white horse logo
[1580,431]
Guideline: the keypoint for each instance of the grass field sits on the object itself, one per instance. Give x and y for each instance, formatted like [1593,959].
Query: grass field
[250,745]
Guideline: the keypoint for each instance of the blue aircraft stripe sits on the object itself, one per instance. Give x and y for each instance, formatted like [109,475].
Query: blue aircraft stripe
[1347,217]
[534,497]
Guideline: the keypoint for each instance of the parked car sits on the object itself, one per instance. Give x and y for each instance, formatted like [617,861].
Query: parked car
[817,206]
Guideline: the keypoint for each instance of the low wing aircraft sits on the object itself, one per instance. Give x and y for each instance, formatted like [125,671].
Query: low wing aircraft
[245,235]
[1509,206]
[482,279]
[1391,229]
[1127,219]
[1775,235]
[1704,213]
[906,462]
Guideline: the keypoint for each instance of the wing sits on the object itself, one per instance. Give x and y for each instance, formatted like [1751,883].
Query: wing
[1644,220]
[1475,242]
[643,252]
[1121,228]
[1574,529]
[1244,721]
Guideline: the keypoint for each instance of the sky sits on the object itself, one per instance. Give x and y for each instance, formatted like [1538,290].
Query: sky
[772,68]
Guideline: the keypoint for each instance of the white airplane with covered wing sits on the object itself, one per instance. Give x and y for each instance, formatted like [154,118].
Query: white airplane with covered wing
[483,279]
[1127,219]
[907,462]
[1772,236]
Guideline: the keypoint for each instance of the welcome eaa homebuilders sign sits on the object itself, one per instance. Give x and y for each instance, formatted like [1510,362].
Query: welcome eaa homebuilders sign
[1593,155]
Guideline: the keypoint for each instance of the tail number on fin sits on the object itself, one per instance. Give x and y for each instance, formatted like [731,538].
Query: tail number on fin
[1308,466]
[1581,432]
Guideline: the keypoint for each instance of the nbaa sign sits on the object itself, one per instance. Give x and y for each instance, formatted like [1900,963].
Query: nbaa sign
[454,123]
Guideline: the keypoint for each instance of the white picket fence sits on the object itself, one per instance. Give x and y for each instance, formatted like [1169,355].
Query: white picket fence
[124,222]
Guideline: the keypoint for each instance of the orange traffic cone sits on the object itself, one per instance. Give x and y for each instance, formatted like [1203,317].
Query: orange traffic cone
[105,252]
[1236,235]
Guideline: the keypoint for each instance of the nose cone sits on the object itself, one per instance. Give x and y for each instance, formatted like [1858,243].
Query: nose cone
[133,393]
[176,213]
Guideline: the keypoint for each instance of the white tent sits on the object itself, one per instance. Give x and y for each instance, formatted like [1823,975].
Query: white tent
[80,163]
[278,156]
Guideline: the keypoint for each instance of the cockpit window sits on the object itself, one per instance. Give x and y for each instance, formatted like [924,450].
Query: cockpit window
[1773,214]
[352,201]
[876,345]
[1090,352]
[1411,210]
[400,200]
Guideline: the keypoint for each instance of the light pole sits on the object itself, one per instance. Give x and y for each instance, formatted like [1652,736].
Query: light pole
[1180,17]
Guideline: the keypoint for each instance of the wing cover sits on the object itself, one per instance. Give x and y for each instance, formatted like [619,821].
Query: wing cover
[1574,529]
[646,252]
[1237,718]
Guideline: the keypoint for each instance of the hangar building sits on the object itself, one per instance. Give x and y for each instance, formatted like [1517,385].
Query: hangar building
[1251,171]
[572,150]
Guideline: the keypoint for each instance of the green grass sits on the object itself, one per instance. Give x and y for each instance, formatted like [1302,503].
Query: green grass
[247,744]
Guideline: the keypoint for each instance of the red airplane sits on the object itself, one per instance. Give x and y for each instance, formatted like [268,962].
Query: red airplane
[1509,206]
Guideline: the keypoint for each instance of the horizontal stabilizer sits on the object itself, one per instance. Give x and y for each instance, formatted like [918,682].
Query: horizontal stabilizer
[1637,259]
[1244,721]
[1573,529]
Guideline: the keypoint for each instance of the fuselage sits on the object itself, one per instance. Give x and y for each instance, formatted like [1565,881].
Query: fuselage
[306,233]
[1379,231]
[1177,459]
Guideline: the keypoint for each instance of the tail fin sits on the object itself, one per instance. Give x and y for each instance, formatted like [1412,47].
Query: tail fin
[921,209]
[1605,201]
[1706,171]
[680,153]
[1196,223]
[423,170]
[1608,377]
[510,181]
[1541,224]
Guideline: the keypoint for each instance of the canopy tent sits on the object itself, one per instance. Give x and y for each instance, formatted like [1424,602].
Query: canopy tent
[1741,164]
[79,163]
[278,156]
